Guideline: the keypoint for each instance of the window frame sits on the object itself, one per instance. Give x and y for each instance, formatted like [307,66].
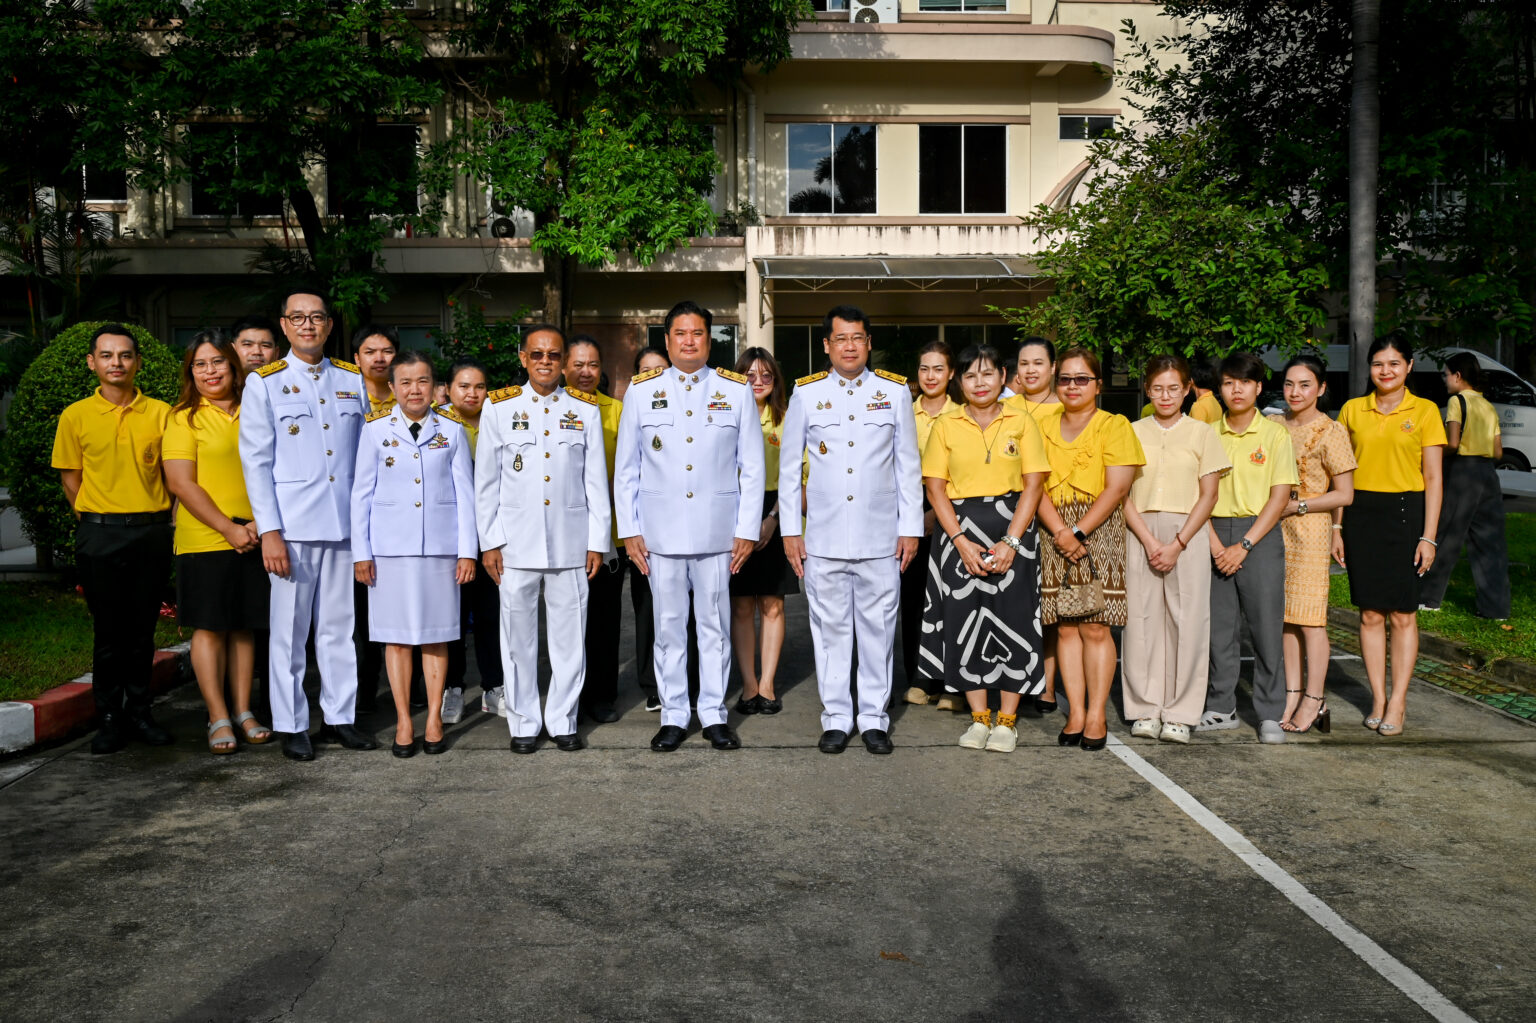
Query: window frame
[831,127]
[1007,168]
[1088,123]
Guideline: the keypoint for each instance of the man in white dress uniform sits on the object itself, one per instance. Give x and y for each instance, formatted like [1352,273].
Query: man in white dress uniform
[688,492]
[863,518]
[541,505]
[299,422]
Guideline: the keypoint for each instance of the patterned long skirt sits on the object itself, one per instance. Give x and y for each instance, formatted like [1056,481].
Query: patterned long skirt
[1107,545]
[983,633]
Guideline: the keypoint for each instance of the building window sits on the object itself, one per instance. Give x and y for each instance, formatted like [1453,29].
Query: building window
[952,6]
[214,159]
[99,185]
[1076,126]
[962,168]
[831,168]
[822,6]
[386,167]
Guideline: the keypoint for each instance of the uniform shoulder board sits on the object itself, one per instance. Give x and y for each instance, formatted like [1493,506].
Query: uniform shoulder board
[580,396]
[640,378]
[272,367]
[895,378]
[504,393]
[449,413]
[731,374]
[349,367]
[811,379]
[380,414]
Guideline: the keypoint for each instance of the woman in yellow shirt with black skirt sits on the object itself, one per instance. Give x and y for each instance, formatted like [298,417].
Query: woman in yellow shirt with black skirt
[1389,531]
[935,378]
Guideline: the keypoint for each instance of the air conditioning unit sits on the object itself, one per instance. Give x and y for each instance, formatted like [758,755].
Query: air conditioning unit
[874,12]
[505,221]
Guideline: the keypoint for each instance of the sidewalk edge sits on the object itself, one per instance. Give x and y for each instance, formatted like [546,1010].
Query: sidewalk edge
[69,709]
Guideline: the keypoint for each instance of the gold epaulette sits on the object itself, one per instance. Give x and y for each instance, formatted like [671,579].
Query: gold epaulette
[349,367]
[895,378]
[581,396]
[640,378]
[811,379]
[380,414]
[731,374]
[272,367]
[504,393]
[449,413]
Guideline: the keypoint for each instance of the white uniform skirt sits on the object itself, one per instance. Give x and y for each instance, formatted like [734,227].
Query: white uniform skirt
[415,600]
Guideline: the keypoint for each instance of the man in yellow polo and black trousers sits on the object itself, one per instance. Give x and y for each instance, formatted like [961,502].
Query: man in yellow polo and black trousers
[107,451]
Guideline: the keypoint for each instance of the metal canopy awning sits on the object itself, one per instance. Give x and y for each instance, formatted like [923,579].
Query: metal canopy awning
[894,273]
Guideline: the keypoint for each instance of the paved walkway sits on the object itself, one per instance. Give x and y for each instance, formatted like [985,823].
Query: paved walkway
[1341,877]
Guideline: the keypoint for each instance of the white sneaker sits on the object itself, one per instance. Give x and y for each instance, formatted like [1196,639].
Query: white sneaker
[1271,732]
[1146,728]
[1216,721]
[453,705]
[976,736]
[1426,607]
[1004,739]
[493,701]
[1174,732]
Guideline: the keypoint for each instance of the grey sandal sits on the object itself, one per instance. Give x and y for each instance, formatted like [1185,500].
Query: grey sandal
[222,747]
[255,736]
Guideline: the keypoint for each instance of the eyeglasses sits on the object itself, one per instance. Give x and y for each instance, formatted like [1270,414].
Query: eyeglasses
[299,319]
[760,378]
[1078,381]
[850,339]
[1165,392]
[543,356]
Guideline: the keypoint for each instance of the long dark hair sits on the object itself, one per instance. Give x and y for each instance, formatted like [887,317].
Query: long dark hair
[777,402]
[1312,364]
[190,398]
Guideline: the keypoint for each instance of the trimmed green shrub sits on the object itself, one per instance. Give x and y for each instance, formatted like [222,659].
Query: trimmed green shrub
[57,378]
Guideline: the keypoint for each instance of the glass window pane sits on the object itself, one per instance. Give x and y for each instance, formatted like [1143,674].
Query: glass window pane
[105,185]
[1506,389]
[853,168]
[938,168]
[1098,127]
[810,168]
[1074,128]
[792,350]
[986,168]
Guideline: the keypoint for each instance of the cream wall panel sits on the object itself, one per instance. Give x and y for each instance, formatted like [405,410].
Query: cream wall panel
[772,170]
[1019,194]
[896,170]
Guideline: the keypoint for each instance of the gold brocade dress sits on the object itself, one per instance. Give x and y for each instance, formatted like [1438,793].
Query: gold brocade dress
[1323,451]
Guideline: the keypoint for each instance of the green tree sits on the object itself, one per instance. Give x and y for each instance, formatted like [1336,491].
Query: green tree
[1159,257]
[586,115]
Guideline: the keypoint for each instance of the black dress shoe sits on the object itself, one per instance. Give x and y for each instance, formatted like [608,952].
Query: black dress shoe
[767,705]
[525,743]
[1067,738]
[1044,706]
[434,748]
[347,735]
[1094,744]
[722,737]
[602,713]
[142,727]
[296,746]
[876,740]
[404,750]
[109,738]
[569,743]
[668,738]
[746,706]
[833,740]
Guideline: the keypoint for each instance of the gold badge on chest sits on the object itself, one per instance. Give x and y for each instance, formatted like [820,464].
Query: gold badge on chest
[656,442]
[293,427]
[517,464]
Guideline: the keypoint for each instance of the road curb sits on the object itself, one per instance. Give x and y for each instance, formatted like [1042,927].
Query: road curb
[1507,670]
[69,709]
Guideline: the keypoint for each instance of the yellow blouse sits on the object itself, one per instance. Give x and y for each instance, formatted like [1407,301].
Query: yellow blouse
[984,463]
[1078,465]
[925,421]
[1177,459]
[772,436]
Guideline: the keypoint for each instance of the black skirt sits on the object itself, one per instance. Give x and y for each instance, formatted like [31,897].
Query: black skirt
[984,633]
[766,573]
[1381,533]
[222,591]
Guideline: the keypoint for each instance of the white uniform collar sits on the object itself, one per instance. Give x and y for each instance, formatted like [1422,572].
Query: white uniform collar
[691,378]
[857,381]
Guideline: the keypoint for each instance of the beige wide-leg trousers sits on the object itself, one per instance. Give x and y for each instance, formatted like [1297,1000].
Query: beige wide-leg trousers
[1166,648]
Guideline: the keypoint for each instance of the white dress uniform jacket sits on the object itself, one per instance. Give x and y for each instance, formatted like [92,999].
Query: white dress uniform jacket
[413,498]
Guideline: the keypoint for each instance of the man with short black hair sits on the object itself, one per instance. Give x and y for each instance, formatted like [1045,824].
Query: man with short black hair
[373,349]
[107,450]
[255,342]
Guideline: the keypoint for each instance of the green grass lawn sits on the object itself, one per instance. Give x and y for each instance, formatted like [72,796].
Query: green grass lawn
[1457,619]
[45,638]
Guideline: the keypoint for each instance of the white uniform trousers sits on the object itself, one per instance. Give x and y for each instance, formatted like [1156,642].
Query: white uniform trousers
[848,596]
[708,577]
[318,589]
[565,612]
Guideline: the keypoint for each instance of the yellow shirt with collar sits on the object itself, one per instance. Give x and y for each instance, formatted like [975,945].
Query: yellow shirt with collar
[1040,411]
[1177,459]
[1481,427]
[1078,466]
[117,450]
[925,421]
[1389,446]
[211,442]
[958,449]
[1262,457]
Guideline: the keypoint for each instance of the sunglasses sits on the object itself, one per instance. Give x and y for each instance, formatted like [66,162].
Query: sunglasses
[543,356]
[1078,381]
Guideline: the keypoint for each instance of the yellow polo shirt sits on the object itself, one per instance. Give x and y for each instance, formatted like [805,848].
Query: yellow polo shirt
[771,437]
[1262,457]
[1077,467]
[958,449]
[211,442]
[117,450]
[1481,428]
[1040,411]
[609,408]
[1389,447]
[925,421]
[1177,459]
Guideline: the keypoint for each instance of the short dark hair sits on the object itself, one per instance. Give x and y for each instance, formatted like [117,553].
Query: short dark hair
[410,357]
[687,307]
[1395,340]
[651,350]
[1465,365]
[255,323]
[369,330]
[851,313]
[972,354]
[541,328]
[1162,364]
[585,339]
[459,365]
[1033,341]
[1244,366]
[1087,355]
[116,330]
[325,300]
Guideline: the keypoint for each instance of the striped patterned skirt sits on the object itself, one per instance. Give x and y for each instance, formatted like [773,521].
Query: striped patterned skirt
[1107,545]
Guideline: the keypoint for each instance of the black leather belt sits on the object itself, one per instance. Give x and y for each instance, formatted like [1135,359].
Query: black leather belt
[127,519]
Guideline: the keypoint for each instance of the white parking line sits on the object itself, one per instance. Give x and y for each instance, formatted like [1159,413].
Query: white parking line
[1376,957]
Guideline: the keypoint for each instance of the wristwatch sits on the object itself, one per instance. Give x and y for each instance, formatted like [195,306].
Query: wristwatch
[1013,541]
[1082,537]
[1245,543]
[1301,507]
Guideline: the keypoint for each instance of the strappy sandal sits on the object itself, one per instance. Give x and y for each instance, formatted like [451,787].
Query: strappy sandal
[255,735]
[221,747]
[1287,717]
[1323,722]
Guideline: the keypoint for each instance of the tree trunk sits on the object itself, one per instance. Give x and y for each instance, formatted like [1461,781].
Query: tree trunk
[1364,157]
[558,273]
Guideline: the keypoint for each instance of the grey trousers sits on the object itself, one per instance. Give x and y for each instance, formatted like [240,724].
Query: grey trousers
[1473,513]
[1255,593]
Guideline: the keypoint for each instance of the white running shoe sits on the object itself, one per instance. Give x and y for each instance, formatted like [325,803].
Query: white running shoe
[453,705]
[1003,739]
[493,701]
[976,736]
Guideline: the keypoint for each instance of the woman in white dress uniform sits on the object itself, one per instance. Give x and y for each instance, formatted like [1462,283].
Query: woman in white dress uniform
[413,538]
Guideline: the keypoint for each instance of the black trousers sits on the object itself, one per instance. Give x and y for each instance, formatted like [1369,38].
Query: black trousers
[370,656]
[605,593]
[480,615]
[913,582]
[124,571]
[1472,514]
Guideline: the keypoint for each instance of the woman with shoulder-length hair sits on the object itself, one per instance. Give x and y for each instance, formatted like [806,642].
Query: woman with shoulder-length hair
[765,577]
[221,587]
[1389,530]
[935,378]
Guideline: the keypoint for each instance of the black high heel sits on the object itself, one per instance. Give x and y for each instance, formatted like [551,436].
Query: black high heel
[404,750]
[1044,706]
[1094,744]
[430,747]
[1067,738]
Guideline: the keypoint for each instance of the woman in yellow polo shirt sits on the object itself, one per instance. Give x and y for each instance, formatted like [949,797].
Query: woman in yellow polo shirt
[935,378]
[983,468]
[221,587]
[1389,531]
[1093,457]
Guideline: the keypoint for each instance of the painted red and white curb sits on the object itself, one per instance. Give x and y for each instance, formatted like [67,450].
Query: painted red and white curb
[69,709]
